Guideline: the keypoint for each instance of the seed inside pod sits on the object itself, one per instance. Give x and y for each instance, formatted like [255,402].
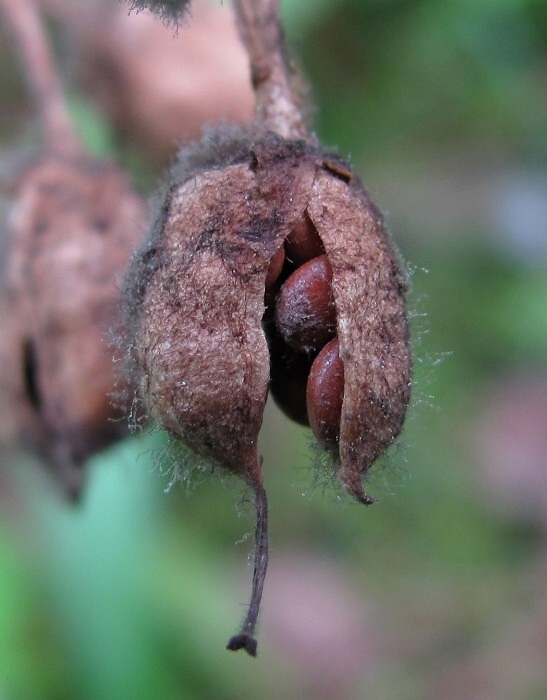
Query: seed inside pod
[274,269]
[305,313]
[289,371]
[303,242]
[324,393]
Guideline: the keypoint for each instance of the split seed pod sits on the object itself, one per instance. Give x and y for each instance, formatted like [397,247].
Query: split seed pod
[216,312]
[196,296]
[200,350]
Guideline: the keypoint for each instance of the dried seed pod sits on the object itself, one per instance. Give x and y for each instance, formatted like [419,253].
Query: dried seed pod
[196,294]
[73,227]
[196,304]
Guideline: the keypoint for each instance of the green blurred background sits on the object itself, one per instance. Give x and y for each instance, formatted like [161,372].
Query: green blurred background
[436,592]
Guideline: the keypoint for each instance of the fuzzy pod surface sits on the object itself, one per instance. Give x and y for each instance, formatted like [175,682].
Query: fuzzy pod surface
[196,300]
[73,227]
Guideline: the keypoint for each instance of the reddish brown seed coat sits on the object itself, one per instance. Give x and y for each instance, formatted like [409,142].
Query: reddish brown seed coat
[303,242]
[274,269]
[305,314]
[324,393]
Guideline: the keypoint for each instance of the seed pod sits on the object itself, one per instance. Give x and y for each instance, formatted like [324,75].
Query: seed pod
[200,352]
[73,228]
[196,294]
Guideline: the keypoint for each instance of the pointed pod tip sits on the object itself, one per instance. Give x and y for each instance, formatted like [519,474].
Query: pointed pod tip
[354,487]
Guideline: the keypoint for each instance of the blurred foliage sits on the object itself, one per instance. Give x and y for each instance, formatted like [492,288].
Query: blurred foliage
[443,109]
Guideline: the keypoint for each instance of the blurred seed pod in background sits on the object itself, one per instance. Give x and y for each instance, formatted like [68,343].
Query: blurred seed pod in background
[74,223]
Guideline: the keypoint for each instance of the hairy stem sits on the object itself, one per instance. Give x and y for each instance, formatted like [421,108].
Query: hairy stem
[277,106]
[245,639]
[42,77]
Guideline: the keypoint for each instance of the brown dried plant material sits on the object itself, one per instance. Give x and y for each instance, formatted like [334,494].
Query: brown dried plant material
[202,320]
[73,227]
[368,287]
[200,352]
[200,349]
[159,86]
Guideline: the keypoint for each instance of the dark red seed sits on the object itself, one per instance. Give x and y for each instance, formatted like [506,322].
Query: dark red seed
[303,242]
[324,394]
[305,313]
[289,371]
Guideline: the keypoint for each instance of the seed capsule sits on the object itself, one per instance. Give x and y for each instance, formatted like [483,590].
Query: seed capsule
[324,394]
[197,300]
[73,228]
[305,314]
[199,333]
[196,314]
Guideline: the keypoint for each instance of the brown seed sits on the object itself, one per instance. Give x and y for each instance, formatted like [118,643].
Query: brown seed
[324,394]
[305,313]
[289,371]
[303,242]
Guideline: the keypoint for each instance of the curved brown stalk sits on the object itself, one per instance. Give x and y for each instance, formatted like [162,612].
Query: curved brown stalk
[277,105]
[43,80]
[245,639]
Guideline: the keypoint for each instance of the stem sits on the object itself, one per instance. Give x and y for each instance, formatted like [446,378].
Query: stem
[277,106]
[41,74]
[245,639]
